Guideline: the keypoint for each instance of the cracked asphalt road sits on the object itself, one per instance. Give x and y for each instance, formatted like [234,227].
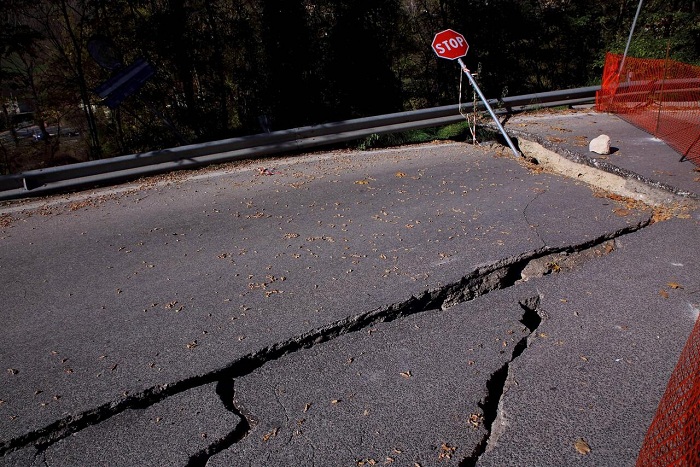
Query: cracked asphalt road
[325,314]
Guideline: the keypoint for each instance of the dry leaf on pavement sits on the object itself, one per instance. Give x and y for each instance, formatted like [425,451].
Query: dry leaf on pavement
[582,446]
[271,434]
[446,451]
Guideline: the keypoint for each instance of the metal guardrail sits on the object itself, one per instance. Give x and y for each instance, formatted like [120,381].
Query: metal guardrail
[122,168]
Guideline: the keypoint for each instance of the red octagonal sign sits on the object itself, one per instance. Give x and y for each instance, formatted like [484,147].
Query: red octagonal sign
[450,44]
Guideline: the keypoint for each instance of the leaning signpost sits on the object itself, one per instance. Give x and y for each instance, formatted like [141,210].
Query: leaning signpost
[452,45]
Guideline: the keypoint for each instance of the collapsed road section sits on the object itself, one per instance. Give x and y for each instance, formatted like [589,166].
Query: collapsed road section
[480,282]
[250,279]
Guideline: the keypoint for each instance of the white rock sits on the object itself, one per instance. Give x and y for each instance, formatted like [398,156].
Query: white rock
[600,145]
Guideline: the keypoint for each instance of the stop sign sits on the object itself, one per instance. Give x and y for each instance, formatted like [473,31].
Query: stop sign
[450,44]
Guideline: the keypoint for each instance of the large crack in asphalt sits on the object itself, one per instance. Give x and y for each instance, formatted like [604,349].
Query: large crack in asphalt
[496,383]
[497,276]
[226,391]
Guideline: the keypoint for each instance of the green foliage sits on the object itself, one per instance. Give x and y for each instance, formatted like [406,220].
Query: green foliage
[455,132]
[675,32]
[369,142]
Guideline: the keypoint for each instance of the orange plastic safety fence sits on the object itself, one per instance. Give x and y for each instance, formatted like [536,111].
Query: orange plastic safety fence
[660,96]
[673,438]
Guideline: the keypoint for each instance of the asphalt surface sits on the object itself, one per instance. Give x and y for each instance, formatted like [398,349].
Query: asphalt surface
[443,304]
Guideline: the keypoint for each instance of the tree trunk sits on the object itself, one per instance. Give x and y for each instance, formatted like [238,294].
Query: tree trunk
[94,142]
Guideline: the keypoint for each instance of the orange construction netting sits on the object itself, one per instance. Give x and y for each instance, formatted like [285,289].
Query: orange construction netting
[660,96]
[673,438]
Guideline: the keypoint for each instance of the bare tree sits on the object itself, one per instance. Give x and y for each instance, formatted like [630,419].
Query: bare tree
[65,25]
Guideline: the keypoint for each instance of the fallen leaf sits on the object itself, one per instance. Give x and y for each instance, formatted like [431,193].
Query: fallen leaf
[361,182]
[335,401]
[663,293]
[400,174]
[406,374]
[674,285]
[554,139]
[270,435]
[12,371]
[446,451]
[582,446]
[563,130]
[476,419]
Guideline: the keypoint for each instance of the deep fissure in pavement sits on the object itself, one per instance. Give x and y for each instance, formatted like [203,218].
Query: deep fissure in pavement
[478,283]
[226,391]
[481,281]
[496,384]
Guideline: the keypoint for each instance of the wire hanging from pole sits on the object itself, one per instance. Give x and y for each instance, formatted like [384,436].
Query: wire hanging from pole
[471,119]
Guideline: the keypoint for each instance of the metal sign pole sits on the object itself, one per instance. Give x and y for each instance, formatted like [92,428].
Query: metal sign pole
[488,107]
[629,39]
